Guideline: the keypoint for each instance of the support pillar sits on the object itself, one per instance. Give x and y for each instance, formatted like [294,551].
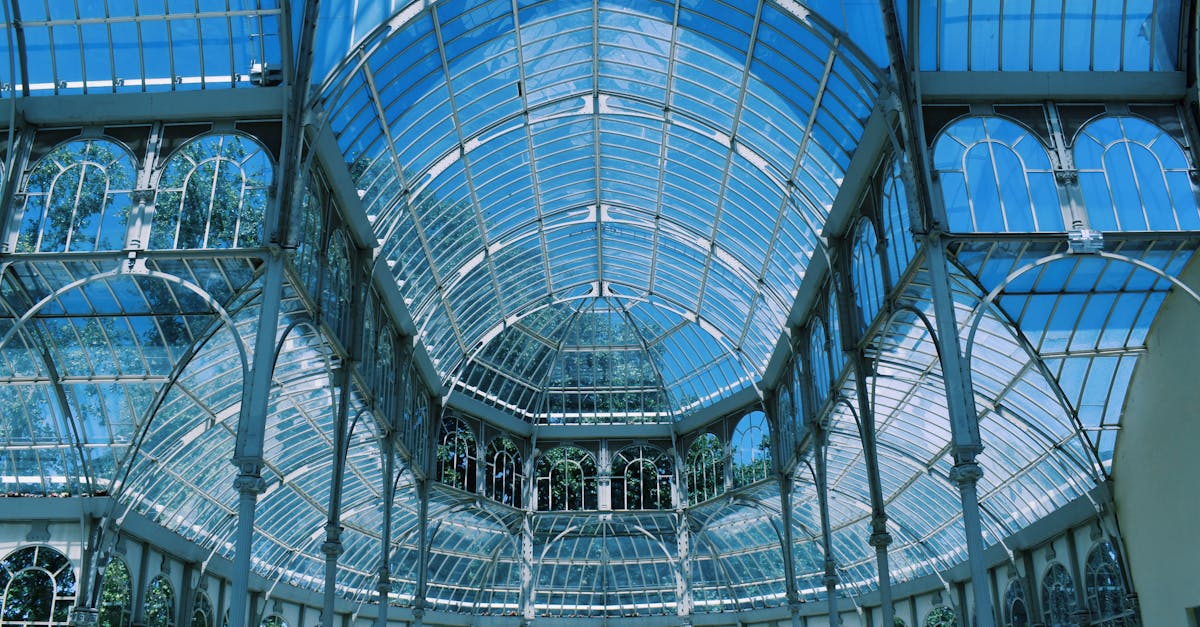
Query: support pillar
[332,547]
[789,562]
[964,425]
[248,453]
[880,538]
[683,540]
[831,576]
[94,559]
[384,584]
[852,340]
[422,552]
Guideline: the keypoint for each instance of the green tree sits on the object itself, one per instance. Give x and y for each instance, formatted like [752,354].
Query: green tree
[159,610]
[566,480]
[78,198]
[705,468]
[116,595]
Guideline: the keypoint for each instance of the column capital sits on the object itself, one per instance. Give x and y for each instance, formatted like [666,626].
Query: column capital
[1066,176]
[247,484]
[966,473]
[331,548]
[880,539]
[84,617]
[142,196]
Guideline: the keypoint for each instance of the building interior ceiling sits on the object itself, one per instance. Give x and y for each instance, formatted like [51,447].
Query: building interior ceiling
[605,215]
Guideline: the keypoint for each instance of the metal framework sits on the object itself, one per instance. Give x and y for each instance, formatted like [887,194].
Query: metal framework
[820,317]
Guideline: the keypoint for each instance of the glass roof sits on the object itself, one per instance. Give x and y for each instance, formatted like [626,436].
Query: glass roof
[1072,35]
[120,46]
[599,212]
[681,159]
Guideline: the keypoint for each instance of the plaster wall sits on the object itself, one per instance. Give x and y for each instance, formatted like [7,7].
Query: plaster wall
[1156,465]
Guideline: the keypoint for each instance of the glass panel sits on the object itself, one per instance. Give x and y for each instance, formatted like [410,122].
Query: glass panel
[78,198]
[995,177]
[212,194]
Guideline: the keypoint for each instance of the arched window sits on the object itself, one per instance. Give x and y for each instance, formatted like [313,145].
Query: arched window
[869,290]
[818,351]
[1058,597]
[309,241]
[370,339]
[837,358]
[202,611]
[504,471]
[77,198]
[335,296]
[1134,177]
[417,421]
[159,609]
[784,408]
[897,224]
[457,454]
[566,480]
[273,620]
[750,449]
[212,194]
[39,587]
[995,177]
[1016,614]
[641,479]
[798,396]
[705,468]
[386,374]
[1105,586]
[941,616]
[116,595]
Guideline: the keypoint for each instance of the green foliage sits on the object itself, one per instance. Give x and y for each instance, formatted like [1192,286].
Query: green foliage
[36,585]
[706,468]
[455,456]
[29,597]
[77,193]
[641,479]
[116,595]
[756,470]
[941,616]
[159,609]
[212,194]
[566,480]
[504,471]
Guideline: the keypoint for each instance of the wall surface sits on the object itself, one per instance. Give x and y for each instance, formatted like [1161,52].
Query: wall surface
[1156,465]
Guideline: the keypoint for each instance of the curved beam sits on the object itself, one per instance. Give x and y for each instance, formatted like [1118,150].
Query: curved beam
[976,317]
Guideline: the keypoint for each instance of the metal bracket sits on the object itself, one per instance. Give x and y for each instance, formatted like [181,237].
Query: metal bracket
[1085,241]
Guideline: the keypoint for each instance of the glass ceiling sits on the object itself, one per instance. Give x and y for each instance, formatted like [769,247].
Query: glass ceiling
[579,199]
[676,162]
[120,46]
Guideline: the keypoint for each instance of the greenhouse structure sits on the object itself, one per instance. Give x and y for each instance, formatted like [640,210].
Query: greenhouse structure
[605,313]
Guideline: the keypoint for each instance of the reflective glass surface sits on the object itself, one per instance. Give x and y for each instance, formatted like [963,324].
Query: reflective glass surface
[677,161]
[119,46]
[598,216]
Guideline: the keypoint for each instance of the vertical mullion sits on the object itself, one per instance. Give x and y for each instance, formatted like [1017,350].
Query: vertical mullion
[200,46]
[170,43]
[112,57]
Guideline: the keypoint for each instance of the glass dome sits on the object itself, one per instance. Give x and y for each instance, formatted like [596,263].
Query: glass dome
[598,309]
